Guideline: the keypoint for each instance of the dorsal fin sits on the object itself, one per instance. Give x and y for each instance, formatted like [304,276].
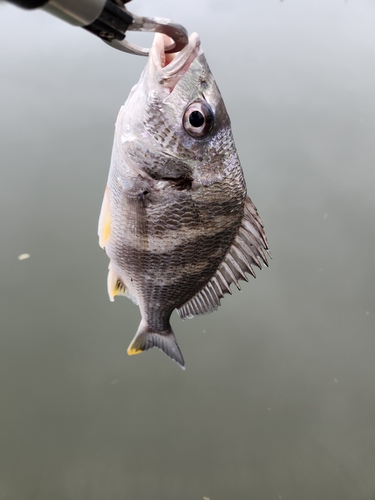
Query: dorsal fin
[247,250]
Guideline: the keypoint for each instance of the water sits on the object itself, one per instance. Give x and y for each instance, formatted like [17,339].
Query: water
[277,401]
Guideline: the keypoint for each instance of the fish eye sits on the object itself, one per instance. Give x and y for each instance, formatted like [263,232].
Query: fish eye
[198,119]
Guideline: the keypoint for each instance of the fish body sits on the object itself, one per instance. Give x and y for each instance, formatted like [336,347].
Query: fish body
[176,222]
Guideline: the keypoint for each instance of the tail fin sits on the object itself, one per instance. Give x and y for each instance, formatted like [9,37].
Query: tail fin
[165,340]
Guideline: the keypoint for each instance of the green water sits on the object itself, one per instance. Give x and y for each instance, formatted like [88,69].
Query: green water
[277,401]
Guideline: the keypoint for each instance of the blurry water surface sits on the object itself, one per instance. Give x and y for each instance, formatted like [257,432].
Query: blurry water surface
[278,398]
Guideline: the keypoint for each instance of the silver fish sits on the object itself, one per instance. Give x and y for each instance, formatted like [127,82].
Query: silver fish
[176,222]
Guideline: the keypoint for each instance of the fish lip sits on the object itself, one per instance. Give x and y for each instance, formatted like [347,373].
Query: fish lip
[169,68]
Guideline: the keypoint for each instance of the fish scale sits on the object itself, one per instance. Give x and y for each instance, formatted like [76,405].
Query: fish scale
[176,222]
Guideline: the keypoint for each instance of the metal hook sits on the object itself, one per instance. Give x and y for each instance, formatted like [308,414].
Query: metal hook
[175,31]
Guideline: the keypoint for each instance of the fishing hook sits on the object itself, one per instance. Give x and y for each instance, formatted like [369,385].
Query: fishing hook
[175,31]
[115,37]
[109,20]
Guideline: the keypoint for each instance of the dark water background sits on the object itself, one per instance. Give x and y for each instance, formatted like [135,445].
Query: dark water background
[278,399]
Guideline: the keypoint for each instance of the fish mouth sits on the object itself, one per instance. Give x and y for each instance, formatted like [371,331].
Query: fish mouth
[170,68]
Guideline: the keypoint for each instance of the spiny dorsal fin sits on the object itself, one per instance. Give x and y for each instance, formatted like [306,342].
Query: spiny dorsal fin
[248,249]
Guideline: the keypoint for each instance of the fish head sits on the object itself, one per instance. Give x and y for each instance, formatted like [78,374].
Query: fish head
[176,113]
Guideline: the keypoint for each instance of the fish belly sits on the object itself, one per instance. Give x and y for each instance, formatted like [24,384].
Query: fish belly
[168,246]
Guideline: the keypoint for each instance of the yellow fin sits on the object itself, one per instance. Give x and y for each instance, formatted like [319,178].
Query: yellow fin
[131,350]
[136,347]
[146,338]
[104,226]
[115,286]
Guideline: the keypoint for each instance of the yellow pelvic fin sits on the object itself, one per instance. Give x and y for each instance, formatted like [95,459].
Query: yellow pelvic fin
[104,227]
[115,285]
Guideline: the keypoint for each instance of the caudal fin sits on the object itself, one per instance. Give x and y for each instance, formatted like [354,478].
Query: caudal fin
[146,338]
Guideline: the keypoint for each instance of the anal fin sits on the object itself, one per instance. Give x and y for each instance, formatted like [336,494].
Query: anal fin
[247,250]
[116,287]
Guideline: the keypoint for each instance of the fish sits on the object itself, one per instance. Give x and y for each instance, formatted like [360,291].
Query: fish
[176,221]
